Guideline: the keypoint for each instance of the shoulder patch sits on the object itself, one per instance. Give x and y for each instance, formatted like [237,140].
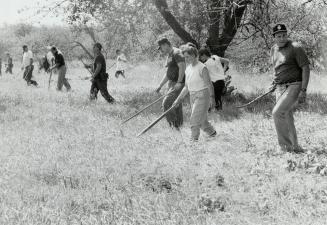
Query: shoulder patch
[297,44]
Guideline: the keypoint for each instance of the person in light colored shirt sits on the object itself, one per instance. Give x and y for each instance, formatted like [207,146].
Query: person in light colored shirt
[120,64]
[217,67]
[28,66]
[199,85]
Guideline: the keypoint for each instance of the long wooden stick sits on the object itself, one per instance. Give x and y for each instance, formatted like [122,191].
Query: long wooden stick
[256,99]
[50,79]
[146,107]
[155,122]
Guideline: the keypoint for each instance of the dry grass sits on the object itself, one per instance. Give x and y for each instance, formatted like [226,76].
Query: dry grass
[65,160]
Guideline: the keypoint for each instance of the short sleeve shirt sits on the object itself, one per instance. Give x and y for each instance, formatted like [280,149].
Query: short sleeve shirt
[100,60]
[173,59]
[121,64]
[215,68]
[288,62]
[27,56]
[59,59]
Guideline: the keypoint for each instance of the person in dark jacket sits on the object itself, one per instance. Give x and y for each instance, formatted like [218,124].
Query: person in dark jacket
[100,77]
[60,65]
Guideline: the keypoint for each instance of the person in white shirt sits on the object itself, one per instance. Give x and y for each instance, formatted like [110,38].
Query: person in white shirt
[28,66]
[199,85]
[50,57]
[120,64]
[217,67]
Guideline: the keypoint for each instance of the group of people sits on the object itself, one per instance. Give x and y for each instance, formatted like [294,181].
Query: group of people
[54,61]
[8,65]
[201,74]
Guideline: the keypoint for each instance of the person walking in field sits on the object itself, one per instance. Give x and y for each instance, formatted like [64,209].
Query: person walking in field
[28,66]
[0,66]
[291,78]
[175,76]
[100,77]
[217,67]
[9,64]
[60,65]
[198,84]
[120,64]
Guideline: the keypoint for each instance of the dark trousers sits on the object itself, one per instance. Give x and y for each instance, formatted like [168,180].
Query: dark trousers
[100,85]
[9,69]
[175,116]
[28,72]
[218,87]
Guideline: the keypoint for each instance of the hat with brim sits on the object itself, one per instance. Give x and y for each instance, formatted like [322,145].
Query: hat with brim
[279,28]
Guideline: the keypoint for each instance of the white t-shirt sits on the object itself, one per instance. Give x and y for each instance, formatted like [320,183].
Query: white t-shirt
[26,58]
[121,65]
[216,70]
[50,58]
[194,79]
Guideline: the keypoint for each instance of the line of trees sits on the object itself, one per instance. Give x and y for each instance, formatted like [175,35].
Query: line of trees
[239,29]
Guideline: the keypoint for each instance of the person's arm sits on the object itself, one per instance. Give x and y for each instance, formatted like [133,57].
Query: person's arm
[305,82]
[162,83]
[303,62]
[181,71]
[180,97]
[206,77]
[97,70]
[225,63]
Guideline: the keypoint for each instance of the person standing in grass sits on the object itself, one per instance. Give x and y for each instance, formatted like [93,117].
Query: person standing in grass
[175,77]
[60,65]
[0,66]
[100,77]
[291,78]
[28,66]
[217,67]
[199,85]
[9,64]
[120,64]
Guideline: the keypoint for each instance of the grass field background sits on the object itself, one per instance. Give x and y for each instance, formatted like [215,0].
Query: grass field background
[65,160]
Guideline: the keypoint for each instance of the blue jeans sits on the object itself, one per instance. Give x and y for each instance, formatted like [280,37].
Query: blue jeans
[286,98]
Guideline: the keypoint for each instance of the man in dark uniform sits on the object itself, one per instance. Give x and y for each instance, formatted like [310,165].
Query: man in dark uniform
[9,64]
[175,77]
[62,69]
[100,77]
[292,74]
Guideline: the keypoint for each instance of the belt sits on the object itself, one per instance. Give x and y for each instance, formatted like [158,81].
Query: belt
[289,83]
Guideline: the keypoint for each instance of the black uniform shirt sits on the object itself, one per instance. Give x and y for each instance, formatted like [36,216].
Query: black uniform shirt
[59,59]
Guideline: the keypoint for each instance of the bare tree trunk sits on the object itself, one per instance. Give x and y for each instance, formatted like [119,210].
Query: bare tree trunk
[162,7]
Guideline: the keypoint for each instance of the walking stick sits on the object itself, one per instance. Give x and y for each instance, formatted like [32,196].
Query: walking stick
[50,79]
[146,107]
[85,65]
[257,99]
[155,122]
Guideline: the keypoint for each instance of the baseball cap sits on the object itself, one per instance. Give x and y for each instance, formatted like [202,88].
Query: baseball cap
[278,28]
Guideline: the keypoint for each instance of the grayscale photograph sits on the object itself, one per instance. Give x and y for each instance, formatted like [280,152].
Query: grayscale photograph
[163,112]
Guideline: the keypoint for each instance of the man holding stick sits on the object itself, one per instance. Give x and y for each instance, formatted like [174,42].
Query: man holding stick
[292,75]
[99,76]
[175,77]
[60,65]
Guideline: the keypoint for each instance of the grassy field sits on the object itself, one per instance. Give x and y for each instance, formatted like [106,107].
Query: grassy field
[65,160]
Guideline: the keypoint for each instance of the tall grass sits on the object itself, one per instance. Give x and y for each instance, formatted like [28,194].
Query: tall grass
[65,160]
